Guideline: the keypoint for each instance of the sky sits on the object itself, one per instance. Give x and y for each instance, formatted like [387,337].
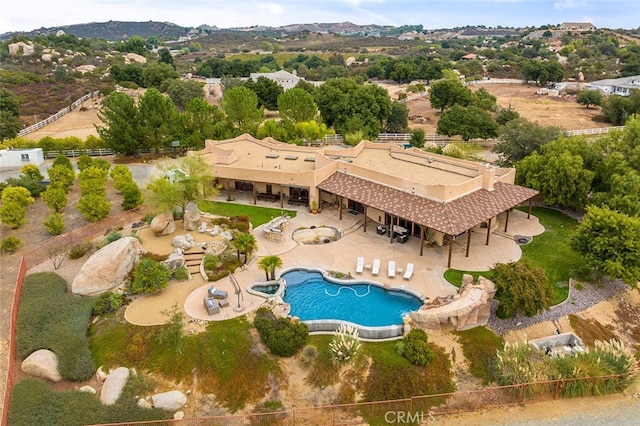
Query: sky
[17,16]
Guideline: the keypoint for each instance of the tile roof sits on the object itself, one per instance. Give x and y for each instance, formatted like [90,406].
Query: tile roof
[451,218]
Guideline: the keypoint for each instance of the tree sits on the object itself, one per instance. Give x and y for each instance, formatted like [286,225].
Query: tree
[241,107]
[121,131]
[61,176]
[398,121]
[164,56]
[245,243]
[135,44]
[520,137]
[269,264]
[13,214]
[311,131]
[417,138]
[521,288]
[610,242]
[590,97]
[297,105]
[153,75]
[416,347]
[9,115]
[156,119]
[201,121]
[182,92]
[469,122]
[94,207]
[54,224]
[131,196]
[150,276]
[56,197]
[617,109]
[267,91]
[449,92]
[18,195]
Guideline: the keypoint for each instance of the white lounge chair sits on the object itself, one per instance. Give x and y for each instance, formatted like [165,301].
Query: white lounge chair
[409,271]
[392,268]
[375,269]
[360,265]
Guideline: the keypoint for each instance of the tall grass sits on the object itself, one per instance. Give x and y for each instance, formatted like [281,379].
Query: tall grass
[479,346]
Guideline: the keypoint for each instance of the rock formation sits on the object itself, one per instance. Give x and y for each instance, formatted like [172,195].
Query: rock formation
[169,401]
[191,219]
[183,242]
[163,224]
[113,385]
[42,363]
[469,308]
[107,268]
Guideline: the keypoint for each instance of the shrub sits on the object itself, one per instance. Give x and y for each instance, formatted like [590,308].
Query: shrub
[150,276]
[62,160]
[18,195]
[309,354]
[94,207]
[113,236]
[180,274]
[80,250]
[10,244]
[345,344]
[416,348]
[61,176]
[32,185]
[54,224]
[84,162]
[131,196]
[13,214]
[282,336]
[107,302]
[210,261]
[56,197]
[521,288]
[32,172]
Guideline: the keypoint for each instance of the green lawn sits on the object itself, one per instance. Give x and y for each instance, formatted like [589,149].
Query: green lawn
[257,215]
[551,251]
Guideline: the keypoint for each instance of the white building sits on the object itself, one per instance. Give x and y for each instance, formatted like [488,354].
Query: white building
[20,157]
[617,86]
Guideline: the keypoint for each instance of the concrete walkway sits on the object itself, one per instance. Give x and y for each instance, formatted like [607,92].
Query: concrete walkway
[341,256]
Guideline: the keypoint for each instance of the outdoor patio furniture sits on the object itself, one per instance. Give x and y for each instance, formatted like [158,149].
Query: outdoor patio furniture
[375,269]
[211,305]
[392,268]
[217,294]
[360,265]
[409,271]
[223,303]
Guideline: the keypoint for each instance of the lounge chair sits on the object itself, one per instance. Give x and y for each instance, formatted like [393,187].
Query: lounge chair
[360,265]
[211,305]
[375,269]
[409,271]
[392,268]
[217,294]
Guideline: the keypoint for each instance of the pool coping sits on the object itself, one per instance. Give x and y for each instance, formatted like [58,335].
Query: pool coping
[366,332]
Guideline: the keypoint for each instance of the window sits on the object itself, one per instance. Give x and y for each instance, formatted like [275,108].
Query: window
[24,157]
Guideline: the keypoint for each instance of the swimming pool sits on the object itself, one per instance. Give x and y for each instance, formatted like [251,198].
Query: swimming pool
[313,297]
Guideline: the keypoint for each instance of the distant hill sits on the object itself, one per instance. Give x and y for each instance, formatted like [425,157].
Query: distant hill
[112,30]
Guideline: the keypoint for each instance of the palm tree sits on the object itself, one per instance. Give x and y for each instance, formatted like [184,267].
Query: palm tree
[269,264]
[245,243]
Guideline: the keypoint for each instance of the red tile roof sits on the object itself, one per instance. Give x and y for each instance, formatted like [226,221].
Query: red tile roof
[451,218]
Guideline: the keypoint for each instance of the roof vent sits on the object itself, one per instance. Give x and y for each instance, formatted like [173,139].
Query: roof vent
[272,155]
[310,159]
[291,157]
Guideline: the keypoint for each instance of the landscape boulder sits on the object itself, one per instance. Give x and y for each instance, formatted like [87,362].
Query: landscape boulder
[191,219]
[163,224]
[183,242]
[134,57]
[107,268]
[169,401]
[88,389]
[176,260]
[113,385]
[143,403]
[42,363]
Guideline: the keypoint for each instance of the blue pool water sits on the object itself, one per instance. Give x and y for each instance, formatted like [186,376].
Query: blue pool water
[313,298]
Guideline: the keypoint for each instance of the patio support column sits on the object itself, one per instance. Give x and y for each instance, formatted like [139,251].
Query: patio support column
[255,198]
[488,231]
[281,197]
[228,189]
[421,239]
[506,222]
[468,242]
[365,218]
[340,208]
[530,203]
[450,250]
[393,219]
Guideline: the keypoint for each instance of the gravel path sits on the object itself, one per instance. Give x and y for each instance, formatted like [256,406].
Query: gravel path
[578,300]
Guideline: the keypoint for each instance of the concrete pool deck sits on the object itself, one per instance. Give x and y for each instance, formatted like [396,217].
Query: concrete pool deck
[341,255]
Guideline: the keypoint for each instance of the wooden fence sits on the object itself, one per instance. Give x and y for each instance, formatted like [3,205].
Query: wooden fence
[57,115]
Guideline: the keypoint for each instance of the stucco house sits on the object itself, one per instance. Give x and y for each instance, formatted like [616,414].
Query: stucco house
[431,196]
[616,86]
[20,157]
[577,26]
[285,79]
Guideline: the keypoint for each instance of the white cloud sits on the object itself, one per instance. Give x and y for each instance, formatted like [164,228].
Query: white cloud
[356,3]
[569,4]
[272,8]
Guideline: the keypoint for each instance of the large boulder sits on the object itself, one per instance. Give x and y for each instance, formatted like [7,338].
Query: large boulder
[169,401]
[42,363]
[191,219]
[163,224]
[113,385]
[176,260]
[107,268]
[183,242]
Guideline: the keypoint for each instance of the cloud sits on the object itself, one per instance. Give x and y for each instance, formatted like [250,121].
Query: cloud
[569,4]
[271,8]
[356,3]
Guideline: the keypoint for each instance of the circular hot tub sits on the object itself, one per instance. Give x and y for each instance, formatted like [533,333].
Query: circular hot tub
[316,235]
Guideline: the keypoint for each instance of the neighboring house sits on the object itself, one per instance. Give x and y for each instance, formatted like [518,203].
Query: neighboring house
[425,193]
[285,79]
[577,26]
[617,86]
[20,157]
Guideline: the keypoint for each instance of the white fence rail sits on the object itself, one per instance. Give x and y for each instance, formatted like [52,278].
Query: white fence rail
[98,152]
[57,115]
[598,131]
